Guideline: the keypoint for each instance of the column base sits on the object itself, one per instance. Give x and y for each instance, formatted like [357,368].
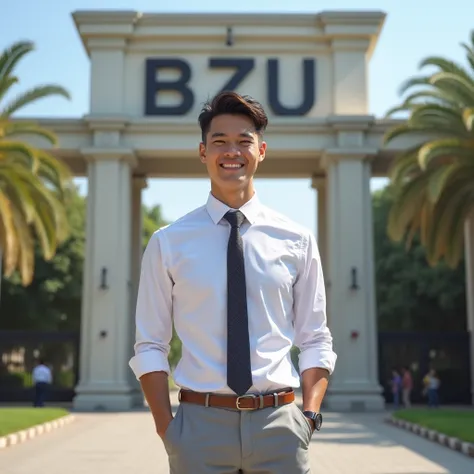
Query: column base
[106,398]
[354,401]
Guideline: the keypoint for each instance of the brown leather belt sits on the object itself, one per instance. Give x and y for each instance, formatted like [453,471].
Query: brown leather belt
[244,402]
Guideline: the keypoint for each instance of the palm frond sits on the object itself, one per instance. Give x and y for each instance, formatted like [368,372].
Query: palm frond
[446,65]
[397,109]
[54,172]
[407,129]
[468,118]
[455,249]
[442,120]
[33,184]
[408,201]
[444,148]
[21,151]
[13,129]
[414,82]
[433,96]
[31,96]
[26,252]
[455,193]
[12,55]
[17,185]
[439,178]
[455,86]
[8,241]
[469,50]
[405,165]
[5,84]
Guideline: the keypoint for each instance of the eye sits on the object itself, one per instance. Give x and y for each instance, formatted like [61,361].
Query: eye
[218,142]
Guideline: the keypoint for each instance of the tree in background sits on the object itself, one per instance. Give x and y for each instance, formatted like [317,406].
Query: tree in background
[152,221]
[33,184]
[433,181]
[52,301]
[412,295]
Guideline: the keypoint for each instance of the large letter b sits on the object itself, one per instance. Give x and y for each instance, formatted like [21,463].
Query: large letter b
[154,85]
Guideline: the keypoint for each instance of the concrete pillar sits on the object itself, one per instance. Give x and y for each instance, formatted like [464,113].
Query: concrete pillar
[319,183]
[354,385]
[350,76]
[104,382]
[138,184]
[469,258]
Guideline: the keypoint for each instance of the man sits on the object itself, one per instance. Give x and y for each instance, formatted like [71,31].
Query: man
[242,284]
[42,379]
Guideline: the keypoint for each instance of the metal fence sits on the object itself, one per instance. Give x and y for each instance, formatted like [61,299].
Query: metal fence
[447,353]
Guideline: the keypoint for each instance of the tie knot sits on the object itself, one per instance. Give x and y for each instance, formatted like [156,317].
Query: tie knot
[235,219]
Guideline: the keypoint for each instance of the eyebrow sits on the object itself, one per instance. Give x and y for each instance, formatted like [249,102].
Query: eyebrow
[222,134]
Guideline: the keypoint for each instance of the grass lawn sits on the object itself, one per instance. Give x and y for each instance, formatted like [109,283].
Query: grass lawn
[15,419]
[452,422]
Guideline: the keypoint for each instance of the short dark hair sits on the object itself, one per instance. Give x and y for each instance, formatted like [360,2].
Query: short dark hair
[228,102]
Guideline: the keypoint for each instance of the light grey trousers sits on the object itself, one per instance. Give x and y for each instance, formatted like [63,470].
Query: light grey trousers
[202,440]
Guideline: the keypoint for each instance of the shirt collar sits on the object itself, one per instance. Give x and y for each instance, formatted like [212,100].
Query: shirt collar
[217,209]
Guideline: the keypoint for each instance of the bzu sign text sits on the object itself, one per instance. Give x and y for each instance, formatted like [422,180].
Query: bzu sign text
[242,67]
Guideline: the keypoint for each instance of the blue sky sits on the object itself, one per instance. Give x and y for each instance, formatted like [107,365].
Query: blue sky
[412,31]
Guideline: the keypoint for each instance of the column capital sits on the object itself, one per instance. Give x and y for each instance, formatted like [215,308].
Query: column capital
[110,154]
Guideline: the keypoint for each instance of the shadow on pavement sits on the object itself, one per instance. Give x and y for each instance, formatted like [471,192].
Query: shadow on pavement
[371,429]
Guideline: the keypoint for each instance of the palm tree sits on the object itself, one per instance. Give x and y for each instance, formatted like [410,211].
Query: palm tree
[434,179]
[33,184]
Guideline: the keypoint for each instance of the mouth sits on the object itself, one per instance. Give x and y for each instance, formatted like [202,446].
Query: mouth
[231,166]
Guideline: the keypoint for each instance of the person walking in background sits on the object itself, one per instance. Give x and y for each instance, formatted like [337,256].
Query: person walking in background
[407,387]
[243,284]
[396,383]
[432,383]
[42,379]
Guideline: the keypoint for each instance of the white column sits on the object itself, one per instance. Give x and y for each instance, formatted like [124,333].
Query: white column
[105,334]
[138,184]
[469,258]
[350,73]
[319,183]
[354,385]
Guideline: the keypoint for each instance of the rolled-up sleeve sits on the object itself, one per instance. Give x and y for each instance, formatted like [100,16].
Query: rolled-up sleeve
[312,335]
[153,311]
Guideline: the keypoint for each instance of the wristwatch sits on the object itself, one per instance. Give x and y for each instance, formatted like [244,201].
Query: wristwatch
[317,418]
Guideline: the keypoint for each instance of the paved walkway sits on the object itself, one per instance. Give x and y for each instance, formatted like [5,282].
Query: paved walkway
[125,443]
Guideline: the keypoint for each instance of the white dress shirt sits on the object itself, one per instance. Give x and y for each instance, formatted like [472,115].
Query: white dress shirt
[184,279]
[42,373]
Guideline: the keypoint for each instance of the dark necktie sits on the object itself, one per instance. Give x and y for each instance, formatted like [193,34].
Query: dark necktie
[239,373]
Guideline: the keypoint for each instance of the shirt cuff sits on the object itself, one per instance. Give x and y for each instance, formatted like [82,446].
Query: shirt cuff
[149,361]
[317,358]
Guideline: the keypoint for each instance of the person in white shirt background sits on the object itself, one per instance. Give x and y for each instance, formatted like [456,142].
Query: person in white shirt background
[242,284]
[42,379]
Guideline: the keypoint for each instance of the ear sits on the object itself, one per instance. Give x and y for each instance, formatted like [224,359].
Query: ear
[202,152]
[262,150]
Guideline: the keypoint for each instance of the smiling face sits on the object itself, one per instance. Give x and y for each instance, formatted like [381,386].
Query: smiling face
[232,152]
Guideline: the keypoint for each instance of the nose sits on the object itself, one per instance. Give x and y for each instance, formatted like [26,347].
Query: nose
[232,151]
